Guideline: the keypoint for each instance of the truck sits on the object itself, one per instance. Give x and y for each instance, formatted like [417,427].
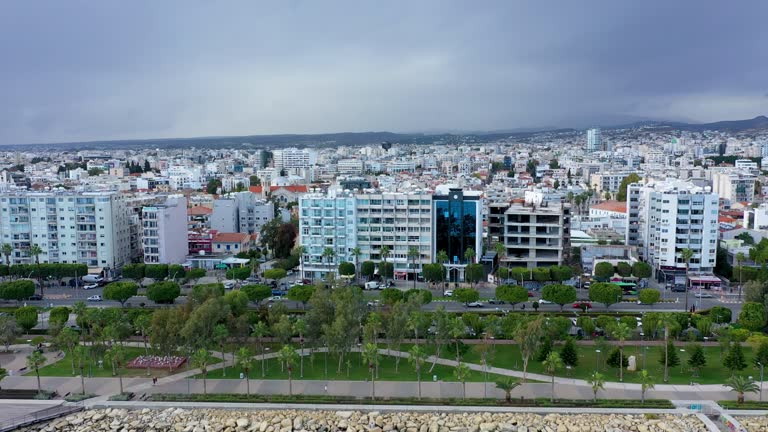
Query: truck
[93,279]
[371,285]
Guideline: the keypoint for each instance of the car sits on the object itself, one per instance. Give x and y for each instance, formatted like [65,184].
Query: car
[276,298]
[253,279]
[475,304]
[582,305]
[90,286]
[704,295]
[289,272]
[278,292]
[390,284]
[542,301]
[94,298]
[229,284]
[373,303]
[449,293]
[35,297]
[530,294]
[678,288]
[495,301]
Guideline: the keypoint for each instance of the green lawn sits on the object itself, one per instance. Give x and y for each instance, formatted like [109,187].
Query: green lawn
[508,357]
[63,367]
[357,371]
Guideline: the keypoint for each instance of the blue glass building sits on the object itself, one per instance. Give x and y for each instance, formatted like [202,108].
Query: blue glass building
[458,224]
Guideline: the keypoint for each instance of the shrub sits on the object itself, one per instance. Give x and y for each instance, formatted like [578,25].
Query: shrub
[242,273]
[156,271]
[163,292]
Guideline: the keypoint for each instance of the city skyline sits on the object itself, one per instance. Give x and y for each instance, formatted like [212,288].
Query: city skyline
[102,72]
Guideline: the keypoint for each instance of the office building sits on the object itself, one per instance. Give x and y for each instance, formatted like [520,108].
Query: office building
[165,231]
[457,227]
[326,222]
[669,216]
[594,140]
[90,228]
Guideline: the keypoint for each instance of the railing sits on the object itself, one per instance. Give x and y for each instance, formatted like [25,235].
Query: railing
[39,416]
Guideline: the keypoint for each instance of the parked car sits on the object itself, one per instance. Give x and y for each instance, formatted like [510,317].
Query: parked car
[229,284]
[449,293]
[704,295]
[278,292]
[90,286]
[253,279]
[530,294]
[373,304]
[495,301]
[582,305]
[276,298]
[35,297]
[542,301]
[678,288]
[476,304]
[94,298]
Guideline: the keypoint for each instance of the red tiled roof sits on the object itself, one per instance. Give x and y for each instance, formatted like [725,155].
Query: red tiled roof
[614,206]
[256,189]
[230,238]
[290,188]
[199,211]
[726,219]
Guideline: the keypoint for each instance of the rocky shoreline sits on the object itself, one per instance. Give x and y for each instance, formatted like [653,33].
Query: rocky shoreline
[221,420]
[753,423]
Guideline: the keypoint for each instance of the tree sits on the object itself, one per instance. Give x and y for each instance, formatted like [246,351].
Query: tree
[605,293]
[133,271]
[346,269]
[734,360]
[568,353]
[752,316]
[686,255]
[116,356]
[391,296]
[668,358]
[512,294]
[423,296]
[260,330]
[9,331]
[244,360]
[604,271]
[558,294]
[649,296]
[507,385]
[417,357]
[356,252]
[646,383]
[34,362]
[560,273]
[213,186]
[741,384]
[371,357]
[163,292]
[696,359]
[257,293]
[466,295]
[367,269]
[35,251]
[274,273]
[120,291]
[552,364]
[301,293]
[220,335]
[470,255]
[474,273]
[641,270]
[761,354]
[528,337]
[433,273]
[200,360]
[26,317]
[239,273]
[413,255]
[156,271]
[621,195]
[7,250]
[287,356]
[461,372]
[621,332]
[597,381]
[58,316]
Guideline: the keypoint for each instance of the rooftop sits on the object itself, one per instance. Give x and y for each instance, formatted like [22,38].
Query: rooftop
[231,238]
[614,206]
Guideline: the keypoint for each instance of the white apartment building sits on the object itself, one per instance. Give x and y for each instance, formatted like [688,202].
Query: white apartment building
[181,177]
[326,222]
[757,218]
[594,140]
[241,212]
[733,185]
[607,181]
[165,231]
[400,221]
[669,216]
[294,158]
[350,166]
[90,228]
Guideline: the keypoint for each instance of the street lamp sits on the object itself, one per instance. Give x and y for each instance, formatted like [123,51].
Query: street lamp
[597,363]
[682,362]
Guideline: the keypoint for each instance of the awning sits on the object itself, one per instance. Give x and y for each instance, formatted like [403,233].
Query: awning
[234,260]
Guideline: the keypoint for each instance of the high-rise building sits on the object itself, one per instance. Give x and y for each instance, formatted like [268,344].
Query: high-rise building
[165,231]
[293,158]
[90,228]
[668,217]
[594,140]
[327,223]
[458,225]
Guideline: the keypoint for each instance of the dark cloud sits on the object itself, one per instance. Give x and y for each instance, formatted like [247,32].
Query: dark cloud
[81,70]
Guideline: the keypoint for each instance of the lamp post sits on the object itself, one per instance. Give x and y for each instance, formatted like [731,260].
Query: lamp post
[682,362]
[597,363]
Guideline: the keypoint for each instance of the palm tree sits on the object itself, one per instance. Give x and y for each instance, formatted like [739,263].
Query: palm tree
[328,254]
[244,359]
[597,381]
[458,330]
[116,355]
[621,333]
[461,373]
[260,330]
[220,335]
[500,250]
[371,356]
[35,251]
[34,361]
[469,255]
[741,384]
[384,255]
[442,258]
[417,357]
[552,364]
[507,385]
[79,355]
[686,255]
[667,320]
[201,359]
[646,383]
[413,253]
[302,250]
[7,250]
[287,356]
[356,252]
[300,327]
[414,322]
[740,258]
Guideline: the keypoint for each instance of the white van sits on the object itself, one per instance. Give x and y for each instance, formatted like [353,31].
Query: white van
[93,279]
[371,285]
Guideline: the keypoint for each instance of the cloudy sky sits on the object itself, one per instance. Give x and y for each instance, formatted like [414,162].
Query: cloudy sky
[85,70]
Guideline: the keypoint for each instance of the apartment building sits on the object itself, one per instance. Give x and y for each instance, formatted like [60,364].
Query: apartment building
[90,228]
[400,221]
[607,181]
[293,158]
[734,185]
[165,231]
[326,222]
[534,232]
[669,216]
[241,212]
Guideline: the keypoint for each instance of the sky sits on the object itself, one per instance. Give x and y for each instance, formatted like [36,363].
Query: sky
[93,70]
